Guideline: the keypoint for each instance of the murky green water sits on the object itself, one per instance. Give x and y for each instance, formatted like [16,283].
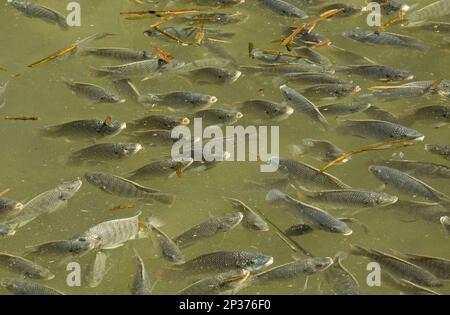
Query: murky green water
[30,164]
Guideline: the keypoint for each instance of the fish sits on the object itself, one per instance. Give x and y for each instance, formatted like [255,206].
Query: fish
[332,90]
[187,35]
[217,18]
[168,167]
[96,94]
[158,122]
[389,6]
[341,280]
[314,217]
[383,38]
[286,68]
[212,226]
[434,113]
[399,267]
[407,286]
[321,149]
[72,248]
[445,221]
[418,168]
[102,152]
[46,202]
[303,105]
[25,267]
[379,130]
[122,187]
[377,72]
[293,270]
[440,267]
[277,58]
[251,219]
[111,234]
[307,175]
[121,54]
[344,109]
[180,100]
[34,10]
[407,184]
[349,198]
[223,261]
[312,78]
[266,109]
[212,75]
[141,281]
[9,208]
[159,137]
[19,286]
[144,68]
[441,150]
[96,270]
[217,116]
[224,283]
[167,248]
[82,129]
[436,9]
[344,9]
[284,8]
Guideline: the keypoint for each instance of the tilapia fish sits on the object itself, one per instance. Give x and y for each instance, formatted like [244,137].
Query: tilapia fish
[125,188]
[210,227]
[47,202]
[112,234]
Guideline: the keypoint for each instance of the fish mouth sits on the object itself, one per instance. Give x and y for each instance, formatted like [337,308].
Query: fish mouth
[418,138]
[184,121]
[123,126]
[120,101]
[347,232]
[268,262]
[239,115]
[138,147]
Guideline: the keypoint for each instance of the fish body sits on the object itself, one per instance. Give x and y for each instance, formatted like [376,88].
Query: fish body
[267,109]
[103,152]
[377,72]
[122,54]
[284,8]
[325,150]
[350,199]
[122,187]
[419,168]
[25,267]
[209,228]
[180,100]
[213,75]
[293,270]
[224,283]
[251,219]
[159,122]
[217,116]
[307,175]
[34,10]
[379,130]
[46,202]
[407,184]
[224,261]
[383,38]
[112,234]
[22,287]
[141,281]
[167,248]
[303,105]
[313,216]
[160,168]
[441,150]
[436,265]
[9,208]
[342,281]
[94,93]
[344,109]
[399,267]
[81,129]
[96,270]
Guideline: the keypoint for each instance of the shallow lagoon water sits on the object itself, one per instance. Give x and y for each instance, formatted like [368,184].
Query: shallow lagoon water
[30,164]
